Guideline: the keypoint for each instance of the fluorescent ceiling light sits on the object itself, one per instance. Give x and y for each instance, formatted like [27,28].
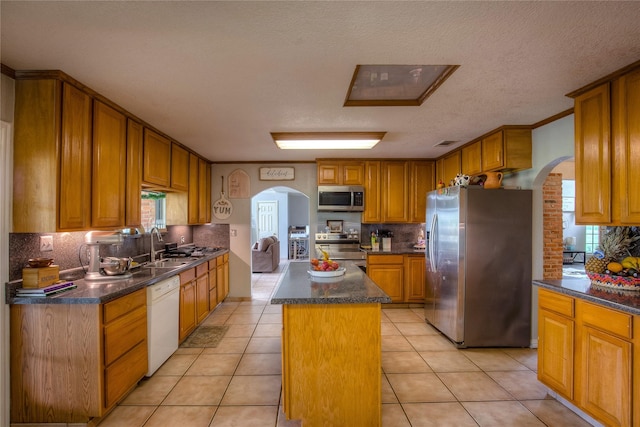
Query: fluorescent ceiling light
[326,140]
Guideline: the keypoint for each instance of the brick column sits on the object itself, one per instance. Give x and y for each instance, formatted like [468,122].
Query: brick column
[552,227]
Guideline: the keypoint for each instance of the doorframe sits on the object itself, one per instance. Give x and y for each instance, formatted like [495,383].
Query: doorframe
[6,197]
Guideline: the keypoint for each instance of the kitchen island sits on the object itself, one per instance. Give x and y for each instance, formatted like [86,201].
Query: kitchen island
[589,347]
[331,347]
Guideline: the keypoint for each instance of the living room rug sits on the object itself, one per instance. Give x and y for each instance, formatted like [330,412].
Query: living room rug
[205,336]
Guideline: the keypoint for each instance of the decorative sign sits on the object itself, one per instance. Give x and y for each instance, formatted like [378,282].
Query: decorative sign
[239,183]
[222,208]
[277,174]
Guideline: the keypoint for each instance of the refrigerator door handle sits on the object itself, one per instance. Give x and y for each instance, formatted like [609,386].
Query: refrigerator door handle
[432,239]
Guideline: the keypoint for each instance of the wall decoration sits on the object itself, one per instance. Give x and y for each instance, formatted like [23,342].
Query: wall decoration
[222,208]
[335,226]
[277,174]
[239,184]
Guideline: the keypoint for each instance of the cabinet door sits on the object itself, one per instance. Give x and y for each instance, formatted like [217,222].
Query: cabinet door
[74,197]
[202,191]
[109,167]
[352,173]
[156,168]
[604,387]
[187,309]
[133,206]
[593,156]
[450,166]
[179,168]
[471,159]
[556,352]
[220,282]
[372,212]
[193,205]
[421,181]
[328,174]
[389,278]
[626,116]
[202,297]
[440,172]
[414,278]
[493,152]
[395,191]
[213,291]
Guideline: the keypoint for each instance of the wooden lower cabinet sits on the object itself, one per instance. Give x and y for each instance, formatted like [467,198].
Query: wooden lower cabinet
[213,280]
[402,277]
[222,277]
[80,362]
[331,364]
[187,303]
[202,292]
[590,356]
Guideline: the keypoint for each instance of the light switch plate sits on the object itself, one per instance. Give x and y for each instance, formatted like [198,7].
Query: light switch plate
[46,243]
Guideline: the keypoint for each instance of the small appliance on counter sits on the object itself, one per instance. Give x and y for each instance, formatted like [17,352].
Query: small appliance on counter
[110,268]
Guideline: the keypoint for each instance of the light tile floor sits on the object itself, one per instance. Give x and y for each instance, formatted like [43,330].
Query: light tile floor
[426,381]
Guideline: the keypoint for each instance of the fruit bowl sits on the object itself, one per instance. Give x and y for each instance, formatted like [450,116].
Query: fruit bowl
[615,282]
[40,262]
[328,273]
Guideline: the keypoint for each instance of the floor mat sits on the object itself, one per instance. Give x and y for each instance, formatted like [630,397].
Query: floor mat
[205,336]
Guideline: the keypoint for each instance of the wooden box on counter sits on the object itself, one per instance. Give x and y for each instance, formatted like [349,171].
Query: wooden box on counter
[40,277]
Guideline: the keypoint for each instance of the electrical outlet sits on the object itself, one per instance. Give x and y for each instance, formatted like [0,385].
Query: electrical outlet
[181,239]
[234,232]
[46,243]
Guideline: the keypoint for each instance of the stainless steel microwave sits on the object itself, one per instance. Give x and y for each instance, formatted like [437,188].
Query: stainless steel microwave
[341,198]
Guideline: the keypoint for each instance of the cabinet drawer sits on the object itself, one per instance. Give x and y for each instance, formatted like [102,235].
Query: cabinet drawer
[115,309]
[123,334]
[213,263]
[555,302]
[606,319]
[187,276]
[385,259]
[125,373]
[202,269]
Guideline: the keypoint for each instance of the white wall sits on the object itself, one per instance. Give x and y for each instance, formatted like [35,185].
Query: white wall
[240,220]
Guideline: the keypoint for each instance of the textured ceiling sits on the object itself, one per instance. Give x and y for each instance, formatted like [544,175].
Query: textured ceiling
[219,76]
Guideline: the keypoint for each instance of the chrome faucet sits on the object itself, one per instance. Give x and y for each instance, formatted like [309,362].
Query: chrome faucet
[152,252]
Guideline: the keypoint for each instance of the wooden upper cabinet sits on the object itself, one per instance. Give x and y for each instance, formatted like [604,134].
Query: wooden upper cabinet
[421,179]
[450,167]
[508,149]
[179,168]
[193,206]
[372,189]
[109,167]
[626,140]
[204,188]
[156,170]
[593,156]
[395,191]
[334,172]
[74,196]
[471,159]
[207,215]
[133,206]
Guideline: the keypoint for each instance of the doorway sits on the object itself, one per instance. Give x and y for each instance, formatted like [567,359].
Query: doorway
[267,218]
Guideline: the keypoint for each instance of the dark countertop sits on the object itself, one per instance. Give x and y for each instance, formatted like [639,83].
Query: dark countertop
[400,249]
[627,301]
[101,292]
[354,287]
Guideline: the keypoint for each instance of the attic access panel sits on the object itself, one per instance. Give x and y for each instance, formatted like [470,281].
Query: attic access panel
[395,85]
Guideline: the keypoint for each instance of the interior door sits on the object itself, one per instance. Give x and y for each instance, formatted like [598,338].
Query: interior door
[267,219]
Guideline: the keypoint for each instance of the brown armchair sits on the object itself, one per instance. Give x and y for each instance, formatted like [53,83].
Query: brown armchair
[265,255]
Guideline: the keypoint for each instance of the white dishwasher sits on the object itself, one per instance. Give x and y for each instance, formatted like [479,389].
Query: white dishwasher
[163,317]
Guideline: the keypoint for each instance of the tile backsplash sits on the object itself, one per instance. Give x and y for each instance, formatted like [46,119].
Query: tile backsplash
[69,249]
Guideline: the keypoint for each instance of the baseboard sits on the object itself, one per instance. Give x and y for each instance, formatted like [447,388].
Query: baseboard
[575,409]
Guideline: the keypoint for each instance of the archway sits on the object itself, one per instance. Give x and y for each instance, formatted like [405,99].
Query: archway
[278,211]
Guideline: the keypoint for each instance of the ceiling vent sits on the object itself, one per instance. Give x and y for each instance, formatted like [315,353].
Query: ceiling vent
[445,143]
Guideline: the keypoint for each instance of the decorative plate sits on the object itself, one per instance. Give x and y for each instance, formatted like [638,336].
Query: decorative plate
[339,272]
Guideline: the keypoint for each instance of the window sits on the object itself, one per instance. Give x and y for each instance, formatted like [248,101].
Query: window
[592,238]
[154,210]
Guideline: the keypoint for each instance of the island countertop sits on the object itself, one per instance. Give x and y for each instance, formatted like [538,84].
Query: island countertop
[354,287]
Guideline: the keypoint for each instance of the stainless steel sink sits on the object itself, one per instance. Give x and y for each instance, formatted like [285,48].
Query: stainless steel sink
[167,263]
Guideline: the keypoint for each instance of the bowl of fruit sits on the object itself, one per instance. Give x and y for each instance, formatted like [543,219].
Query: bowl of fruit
[325,267]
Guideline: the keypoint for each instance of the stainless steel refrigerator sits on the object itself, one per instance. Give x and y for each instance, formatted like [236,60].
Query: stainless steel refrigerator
[478,259]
